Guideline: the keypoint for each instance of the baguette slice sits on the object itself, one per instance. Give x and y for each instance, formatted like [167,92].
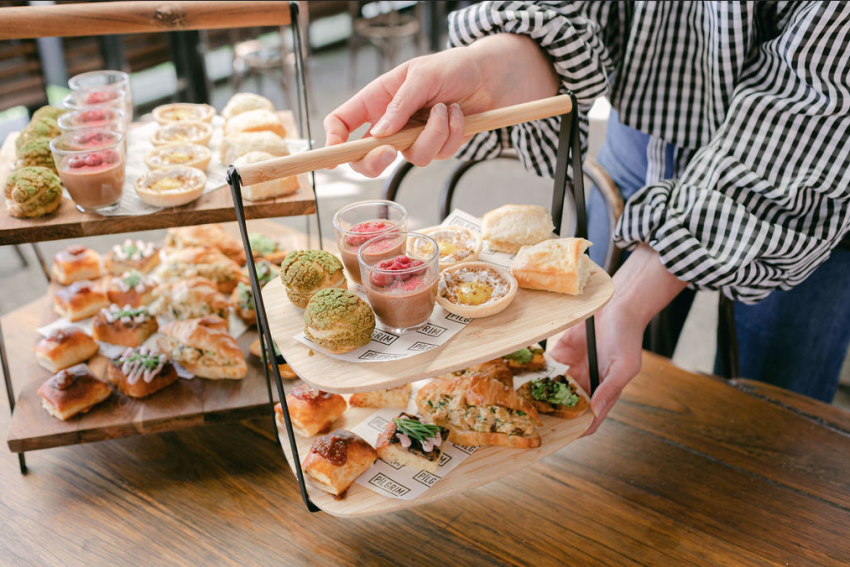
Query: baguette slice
[390,398]
[555,410]
[553,265]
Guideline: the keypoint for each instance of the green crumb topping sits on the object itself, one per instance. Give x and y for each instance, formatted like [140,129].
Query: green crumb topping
[48,111]
[304,270]
[30,183]
[37,154]
[41,128]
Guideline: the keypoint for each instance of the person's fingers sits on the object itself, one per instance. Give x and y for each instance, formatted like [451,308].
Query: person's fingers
[375,162]
[432,138]
[572,350]
[600,412]
[412,94]
[616,377]
[455,139]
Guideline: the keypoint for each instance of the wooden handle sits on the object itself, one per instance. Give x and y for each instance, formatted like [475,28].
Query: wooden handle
[401,140]
[98,18]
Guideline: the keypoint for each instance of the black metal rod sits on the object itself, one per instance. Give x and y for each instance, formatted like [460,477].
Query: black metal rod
[10,392]
[304,105]
[41,262]
[262,320]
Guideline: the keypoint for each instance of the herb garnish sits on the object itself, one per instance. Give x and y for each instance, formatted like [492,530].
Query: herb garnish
[416,429]
[261,244]
[149,361]
[121,313]
[130,250]
[554,391]
[133,279]
[522,356]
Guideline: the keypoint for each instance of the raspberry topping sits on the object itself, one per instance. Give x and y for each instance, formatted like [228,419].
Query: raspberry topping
[99,97]
[369,227]
[396,264]
[93,116]
[94,160]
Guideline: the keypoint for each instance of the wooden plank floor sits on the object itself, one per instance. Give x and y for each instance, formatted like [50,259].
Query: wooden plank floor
[687,470]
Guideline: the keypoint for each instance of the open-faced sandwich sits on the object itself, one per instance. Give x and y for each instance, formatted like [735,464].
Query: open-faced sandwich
[140,372]
[336,460]
[204,348]
[479,410]
[408,441]
[556,396]
[529,359]
[125,326]
[191,298]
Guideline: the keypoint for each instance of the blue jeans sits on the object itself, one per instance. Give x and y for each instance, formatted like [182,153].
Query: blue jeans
[795,339]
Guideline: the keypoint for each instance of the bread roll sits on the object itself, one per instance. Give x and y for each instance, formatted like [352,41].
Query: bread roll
[511,227]
[78,301]
[243,102]
[64,348]
[265,189]
[553,265]
[254,121]
[76,263]
[336,460]
[72,391]
[233,147]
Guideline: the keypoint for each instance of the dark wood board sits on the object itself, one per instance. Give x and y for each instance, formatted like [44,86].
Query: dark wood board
[215,206]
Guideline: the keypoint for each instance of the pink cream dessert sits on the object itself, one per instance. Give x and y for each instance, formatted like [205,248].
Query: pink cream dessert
[351,244]
[401,295]
[94,180]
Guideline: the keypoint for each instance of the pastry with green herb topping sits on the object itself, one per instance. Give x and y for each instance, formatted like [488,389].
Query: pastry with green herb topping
[338,321]
[36,154]
[32,192]
[306,272]
[43,127]
[131,288]
[408,441]
[130,255]
[125,326]
[140,372]
[558,396]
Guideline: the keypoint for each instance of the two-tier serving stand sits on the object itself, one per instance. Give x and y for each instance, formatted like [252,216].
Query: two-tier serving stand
[533,316]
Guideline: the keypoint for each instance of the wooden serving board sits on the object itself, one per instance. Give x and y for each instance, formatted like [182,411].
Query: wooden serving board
[215,206]
[186,403]
[485,465]
[531,317]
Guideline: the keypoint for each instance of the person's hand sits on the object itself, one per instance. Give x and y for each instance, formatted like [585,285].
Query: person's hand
[642,287]
[618,342]
[438,90]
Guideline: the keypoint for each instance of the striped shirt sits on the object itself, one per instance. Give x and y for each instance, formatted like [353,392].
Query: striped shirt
[755,96]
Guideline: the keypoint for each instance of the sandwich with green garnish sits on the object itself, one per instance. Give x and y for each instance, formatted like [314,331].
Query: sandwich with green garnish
[409,441]
[558,396]
[529,359]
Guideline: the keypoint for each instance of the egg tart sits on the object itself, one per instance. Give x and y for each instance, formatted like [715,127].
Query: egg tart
[187,155]
[183,112]
[456,243]
[475,289]
[183,133]
[172,187]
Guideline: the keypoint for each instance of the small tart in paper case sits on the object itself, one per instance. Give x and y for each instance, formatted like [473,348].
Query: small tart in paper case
[187,155]
[183,133]
[553,265]
[475,289]
[171,187]
[457,244]
[183,112]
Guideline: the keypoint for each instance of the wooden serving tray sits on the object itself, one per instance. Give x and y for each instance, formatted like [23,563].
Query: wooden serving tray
[215,206]
[485,465]
[530,318]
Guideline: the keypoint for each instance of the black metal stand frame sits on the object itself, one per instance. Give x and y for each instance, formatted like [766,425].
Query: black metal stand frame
[569,154]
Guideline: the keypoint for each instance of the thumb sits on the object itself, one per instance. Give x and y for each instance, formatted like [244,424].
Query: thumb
[410,97]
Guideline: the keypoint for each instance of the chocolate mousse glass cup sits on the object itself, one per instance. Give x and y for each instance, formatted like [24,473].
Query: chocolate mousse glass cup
[356,223]
[100,116]
[91,165]
[111,79]
[98,98]
[402,288]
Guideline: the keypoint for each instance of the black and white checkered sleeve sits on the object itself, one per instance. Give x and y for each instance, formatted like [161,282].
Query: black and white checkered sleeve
[763,204]
[569,33]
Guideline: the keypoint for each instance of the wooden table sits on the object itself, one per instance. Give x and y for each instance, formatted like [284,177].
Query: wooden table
[687,470]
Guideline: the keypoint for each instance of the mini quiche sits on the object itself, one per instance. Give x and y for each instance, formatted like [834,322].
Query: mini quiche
[183,112]
[183,133]
[187,155]
[475,289]
[456,243]
[171,188]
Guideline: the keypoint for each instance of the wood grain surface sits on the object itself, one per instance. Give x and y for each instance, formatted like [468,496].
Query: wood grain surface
[633,494]
[484,466]
[104,18]
[531,317]
[187,403]
[215,206]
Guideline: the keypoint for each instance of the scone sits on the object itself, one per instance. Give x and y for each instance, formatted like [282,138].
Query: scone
[32,192]
[338,321]
[305,272]
[265,189]
[243,102]
[260,120]
[511,227]
[233,147]
[76,263]
[553,265]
